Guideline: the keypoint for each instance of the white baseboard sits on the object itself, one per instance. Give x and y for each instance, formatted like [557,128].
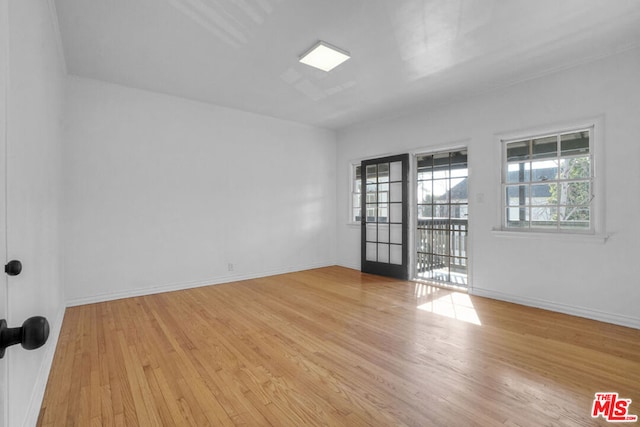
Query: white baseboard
[188,285]
[349,265]
[617,319]
[35,403]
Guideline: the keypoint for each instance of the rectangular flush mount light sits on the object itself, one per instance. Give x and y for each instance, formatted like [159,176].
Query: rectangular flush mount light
[324,56]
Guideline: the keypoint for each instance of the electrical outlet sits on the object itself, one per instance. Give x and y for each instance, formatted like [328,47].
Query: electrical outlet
[230,267]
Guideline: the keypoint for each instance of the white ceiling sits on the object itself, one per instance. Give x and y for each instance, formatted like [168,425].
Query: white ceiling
[244,53]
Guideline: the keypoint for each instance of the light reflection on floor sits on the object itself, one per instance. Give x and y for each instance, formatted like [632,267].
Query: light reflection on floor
[443,302]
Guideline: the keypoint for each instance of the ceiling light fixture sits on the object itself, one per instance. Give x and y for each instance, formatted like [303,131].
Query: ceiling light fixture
[324,56]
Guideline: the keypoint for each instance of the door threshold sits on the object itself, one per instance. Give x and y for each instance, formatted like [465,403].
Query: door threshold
[443,285]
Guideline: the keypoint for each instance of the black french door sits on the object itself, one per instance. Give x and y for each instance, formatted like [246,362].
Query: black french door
[385,216]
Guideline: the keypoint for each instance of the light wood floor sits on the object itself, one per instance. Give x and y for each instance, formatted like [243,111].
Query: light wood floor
[333,346]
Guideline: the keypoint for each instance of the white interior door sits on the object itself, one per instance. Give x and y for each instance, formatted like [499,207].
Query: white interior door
[4,25]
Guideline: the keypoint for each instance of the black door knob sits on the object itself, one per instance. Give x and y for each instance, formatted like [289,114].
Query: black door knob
[31,335]
[13,268]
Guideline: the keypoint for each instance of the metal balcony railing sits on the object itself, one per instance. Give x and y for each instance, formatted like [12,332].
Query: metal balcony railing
[441,245]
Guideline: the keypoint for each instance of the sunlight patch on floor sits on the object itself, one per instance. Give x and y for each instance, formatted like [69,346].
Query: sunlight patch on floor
[455,305]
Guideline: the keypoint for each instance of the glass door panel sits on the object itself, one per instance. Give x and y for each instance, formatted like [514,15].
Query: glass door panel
[442,217]
[385,225]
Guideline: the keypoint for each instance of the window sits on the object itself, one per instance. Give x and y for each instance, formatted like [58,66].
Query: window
[355,210]
[548,182]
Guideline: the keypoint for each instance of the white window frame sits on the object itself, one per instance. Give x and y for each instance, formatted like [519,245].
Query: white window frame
[597,208]
[352,191]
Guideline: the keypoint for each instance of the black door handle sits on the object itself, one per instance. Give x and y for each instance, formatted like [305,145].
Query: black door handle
[31,335]
[13,268]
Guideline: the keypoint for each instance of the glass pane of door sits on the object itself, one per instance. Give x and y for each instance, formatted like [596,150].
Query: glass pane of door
[442,217]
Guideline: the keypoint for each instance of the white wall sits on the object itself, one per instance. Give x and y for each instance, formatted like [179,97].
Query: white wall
[163,193]
[34,105]
[598,280]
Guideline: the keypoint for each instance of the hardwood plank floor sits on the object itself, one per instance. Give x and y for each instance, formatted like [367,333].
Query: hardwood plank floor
[333,346]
